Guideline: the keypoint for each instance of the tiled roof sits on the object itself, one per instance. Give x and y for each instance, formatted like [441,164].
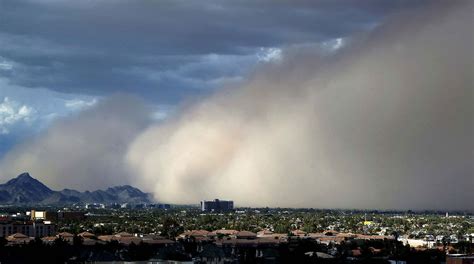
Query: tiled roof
[49,239]
[226,232]
[298,232]
[198,233]
[18,236]
[65,234]
[123,234]
[86,234]
[107,237]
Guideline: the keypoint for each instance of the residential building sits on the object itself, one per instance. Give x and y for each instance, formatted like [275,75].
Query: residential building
[28,228]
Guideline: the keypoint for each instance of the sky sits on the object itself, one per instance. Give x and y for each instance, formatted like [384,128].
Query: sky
[222,98]
[59,57]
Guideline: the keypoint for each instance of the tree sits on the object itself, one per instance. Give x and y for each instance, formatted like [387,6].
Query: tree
[171,227]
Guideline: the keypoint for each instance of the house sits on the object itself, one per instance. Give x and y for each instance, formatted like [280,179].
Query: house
[197,235]
[86,235]
[18,238]
[213,254]
[65,235]
[123,234]
[299,233]
[157,240]
[226,232]
[245,235]
[264,233]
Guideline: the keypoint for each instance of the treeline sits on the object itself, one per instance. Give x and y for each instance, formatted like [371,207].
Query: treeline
[295,251]
[61,251]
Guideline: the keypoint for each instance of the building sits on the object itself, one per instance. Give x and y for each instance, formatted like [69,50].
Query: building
[164,206]
[459,259]
[18,238]
[95,206]
[217,206]
[29,228]
[37,215]
[42,215]
[71,215]
[43,228]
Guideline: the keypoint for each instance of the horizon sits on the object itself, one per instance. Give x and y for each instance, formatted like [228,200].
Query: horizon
[291,104]
[236,205]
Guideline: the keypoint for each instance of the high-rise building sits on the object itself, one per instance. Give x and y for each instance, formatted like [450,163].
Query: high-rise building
[217,206]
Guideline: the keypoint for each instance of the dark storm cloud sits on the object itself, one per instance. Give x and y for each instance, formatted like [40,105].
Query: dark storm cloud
[150,47]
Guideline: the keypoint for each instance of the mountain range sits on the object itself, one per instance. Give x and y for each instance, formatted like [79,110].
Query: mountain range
[25,189]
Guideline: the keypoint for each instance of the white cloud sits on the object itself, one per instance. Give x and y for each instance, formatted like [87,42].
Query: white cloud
[83,151]
[159,115]
[334,44]
[25,112]
[161,112]
[5,64]
[269,55]
[12,113]
[78,104]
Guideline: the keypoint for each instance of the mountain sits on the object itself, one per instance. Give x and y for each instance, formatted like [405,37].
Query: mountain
[25,189]
[116,194]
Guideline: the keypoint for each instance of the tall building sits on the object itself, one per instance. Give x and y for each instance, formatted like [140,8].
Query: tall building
[217,206]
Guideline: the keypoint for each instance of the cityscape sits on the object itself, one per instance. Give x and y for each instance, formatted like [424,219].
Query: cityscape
[237,131]
[214,231]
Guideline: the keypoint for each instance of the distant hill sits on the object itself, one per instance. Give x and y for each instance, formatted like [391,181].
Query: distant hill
[25,189]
